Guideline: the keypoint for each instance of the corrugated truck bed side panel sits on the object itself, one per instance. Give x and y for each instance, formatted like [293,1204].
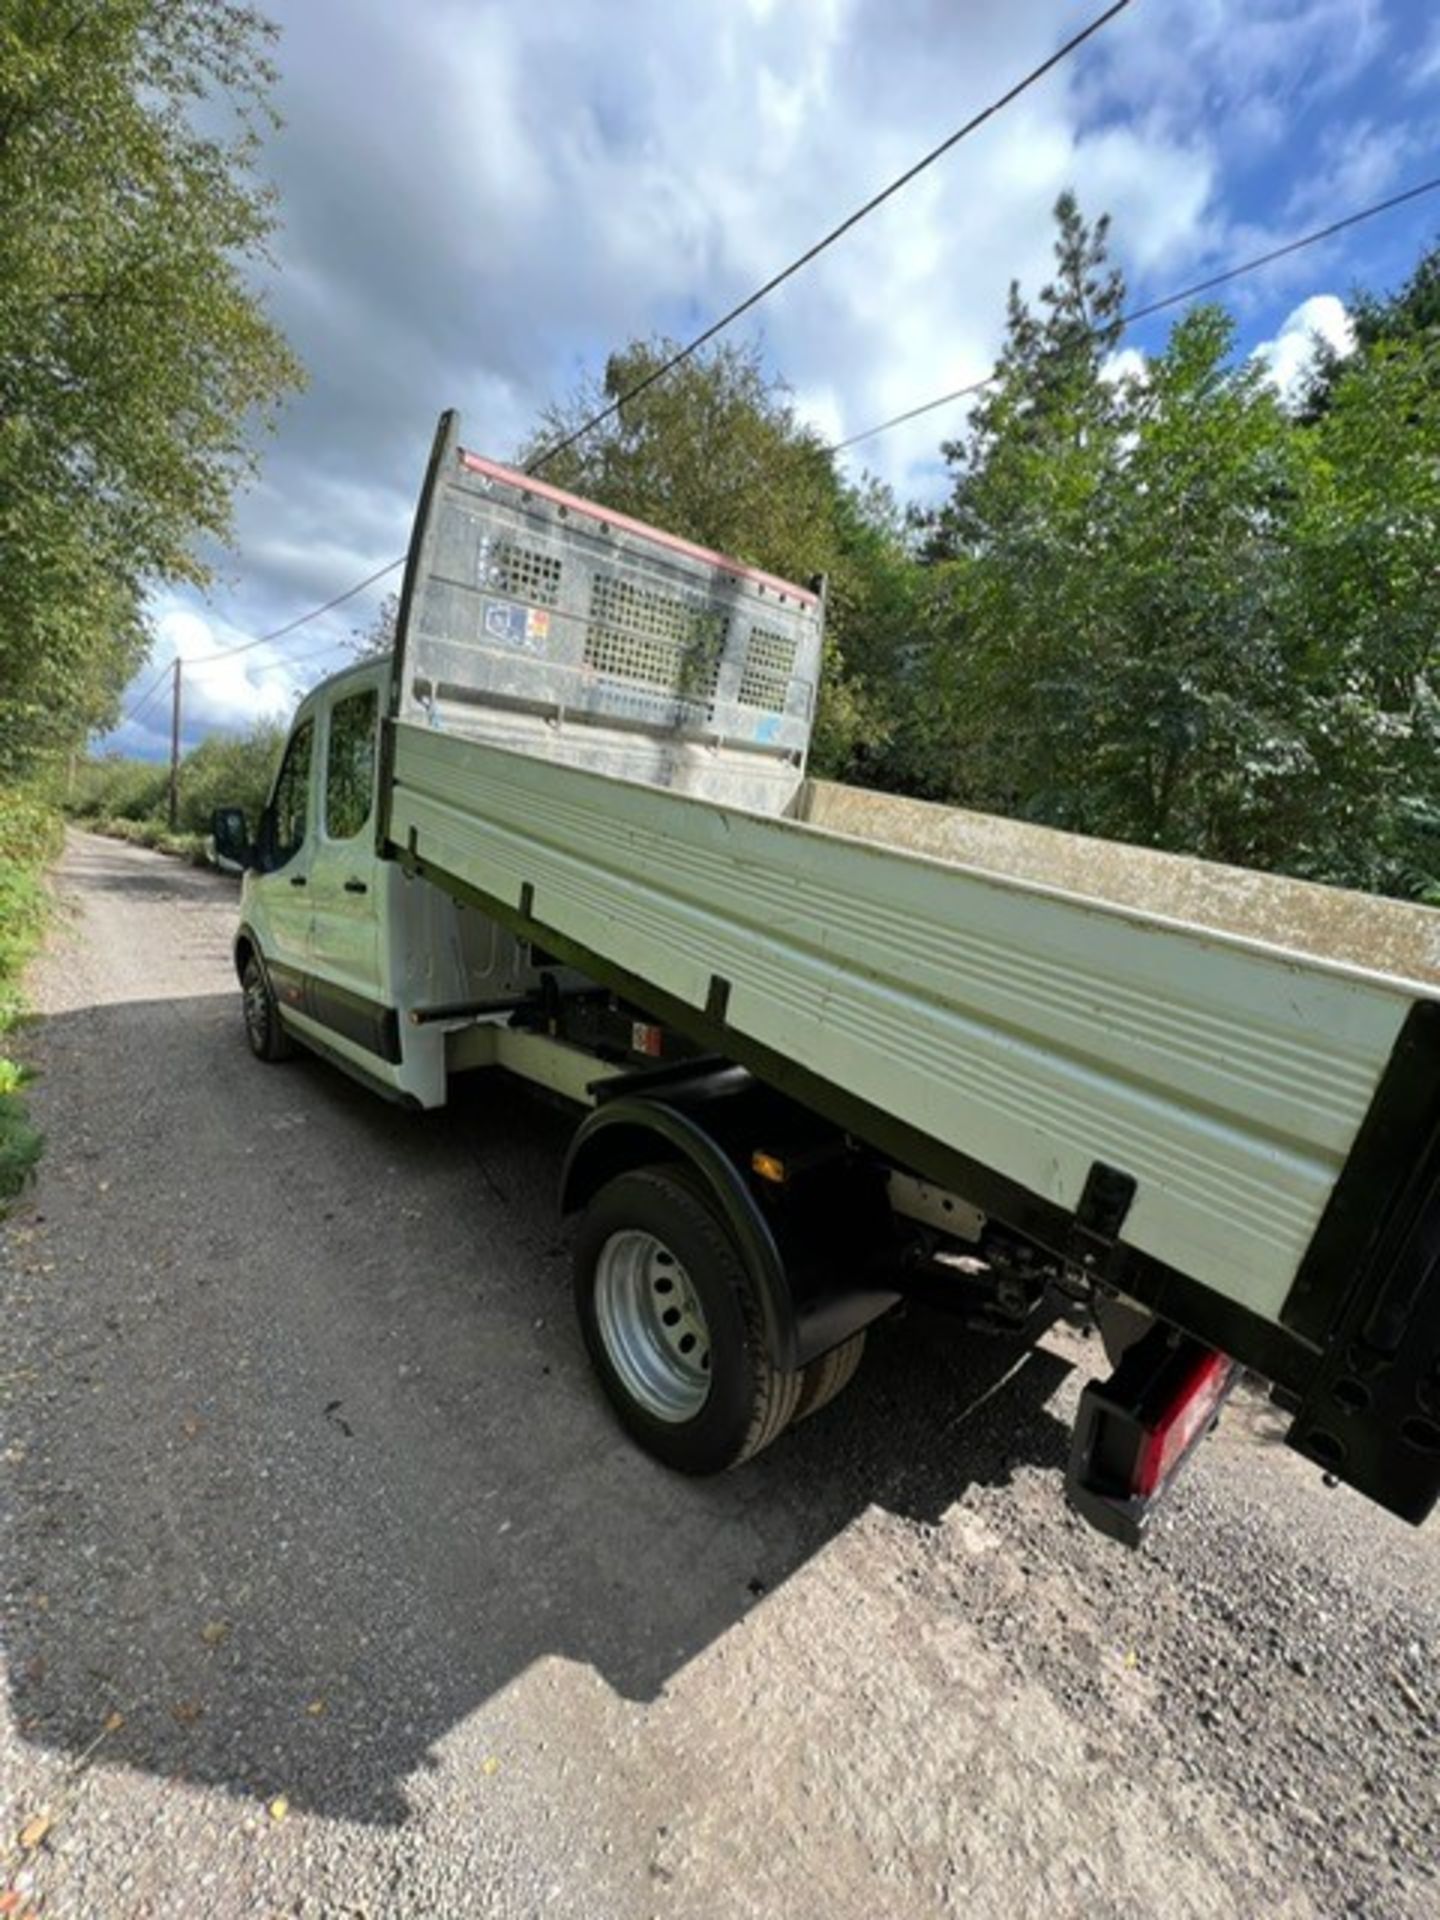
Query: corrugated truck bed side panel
[1032,1030]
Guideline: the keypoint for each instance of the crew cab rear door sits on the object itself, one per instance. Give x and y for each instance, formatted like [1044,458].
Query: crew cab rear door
[345,924]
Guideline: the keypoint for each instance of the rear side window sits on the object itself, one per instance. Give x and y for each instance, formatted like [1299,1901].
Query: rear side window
[350,764]
[291,804]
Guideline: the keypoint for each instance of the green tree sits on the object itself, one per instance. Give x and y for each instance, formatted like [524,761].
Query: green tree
[714,452]
[229,770]
[1048,401]
[1366,625]
[1411,312]
[379,636]
[1194,721]
[1003,709]
[874,611]
[225,770]
[135,356]
[1165,609]
[111,787]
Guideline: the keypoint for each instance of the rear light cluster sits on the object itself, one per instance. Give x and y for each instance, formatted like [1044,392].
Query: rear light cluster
[1184,1421]
[1135,1430]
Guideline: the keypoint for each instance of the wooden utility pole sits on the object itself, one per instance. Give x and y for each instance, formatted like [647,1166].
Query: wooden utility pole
[175,751]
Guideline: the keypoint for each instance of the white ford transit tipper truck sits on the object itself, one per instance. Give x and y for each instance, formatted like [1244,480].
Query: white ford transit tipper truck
[832,1046]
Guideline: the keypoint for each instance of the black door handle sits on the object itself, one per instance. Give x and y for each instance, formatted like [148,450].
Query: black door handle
[356,886]
[297,880]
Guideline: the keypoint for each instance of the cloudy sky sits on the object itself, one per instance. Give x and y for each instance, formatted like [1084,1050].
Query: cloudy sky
[480,200]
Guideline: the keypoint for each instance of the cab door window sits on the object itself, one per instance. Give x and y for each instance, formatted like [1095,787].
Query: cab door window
[350,764]
[290,808]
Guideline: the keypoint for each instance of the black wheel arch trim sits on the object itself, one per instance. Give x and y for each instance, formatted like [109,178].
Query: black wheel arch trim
[613,1139]
[243,947]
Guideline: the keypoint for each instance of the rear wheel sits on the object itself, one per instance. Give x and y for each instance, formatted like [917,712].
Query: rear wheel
[829,1375]
[268,1038]
[673,1322]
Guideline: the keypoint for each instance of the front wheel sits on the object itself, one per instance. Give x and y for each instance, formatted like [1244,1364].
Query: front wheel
[673,1323]
[268,1038]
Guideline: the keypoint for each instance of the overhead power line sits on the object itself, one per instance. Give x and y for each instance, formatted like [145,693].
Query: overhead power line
[1279,253]
[913,413]
[133,713]
[303,619]
[1152,307]
[201,662]
[828,240]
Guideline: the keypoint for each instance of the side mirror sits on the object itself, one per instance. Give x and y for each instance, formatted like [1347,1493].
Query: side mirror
[231,833]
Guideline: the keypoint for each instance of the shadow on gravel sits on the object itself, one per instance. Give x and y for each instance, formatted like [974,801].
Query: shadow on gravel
[158,881]
[306,1462]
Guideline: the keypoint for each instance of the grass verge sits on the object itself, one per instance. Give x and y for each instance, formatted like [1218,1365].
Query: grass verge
[30,837]
[193,847]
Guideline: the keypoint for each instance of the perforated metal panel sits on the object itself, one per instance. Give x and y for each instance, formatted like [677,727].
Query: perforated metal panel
[547,624]
[659,639]
[769,663]
[522,571]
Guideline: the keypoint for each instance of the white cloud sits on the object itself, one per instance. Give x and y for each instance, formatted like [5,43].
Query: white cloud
[1359,163]
[1128,363]
[570,188]
[1289,356]
[1422,69]
[1247,68]
[221,690]
[480,200]
[820,408]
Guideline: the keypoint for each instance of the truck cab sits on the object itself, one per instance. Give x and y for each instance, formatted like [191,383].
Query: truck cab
[341,948]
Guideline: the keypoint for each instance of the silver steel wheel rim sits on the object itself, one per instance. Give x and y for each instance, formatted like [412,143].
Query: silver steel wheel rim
[652,1325]
[257,1014]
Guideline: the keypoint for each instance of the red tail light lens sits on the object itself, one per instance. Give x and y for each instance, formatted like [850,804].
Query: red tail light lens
[1134,1431]
[1190,1410]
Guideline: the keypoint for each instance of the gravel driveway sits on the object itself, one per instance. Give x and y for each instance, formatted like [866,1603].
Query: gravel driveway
[331,1588]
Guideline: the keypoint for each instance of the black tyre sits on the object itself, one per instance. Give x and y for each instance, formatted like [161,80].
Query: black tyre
[673,1324]
[827,1376]
[268,1039]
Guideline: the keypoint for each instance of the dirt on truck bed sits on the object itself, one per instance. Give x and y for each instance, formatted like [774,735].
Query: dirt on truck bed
[331,1588]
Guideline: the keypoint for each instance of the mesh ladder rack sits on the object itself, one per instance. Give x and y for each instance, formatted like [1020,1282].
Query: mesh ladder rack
[544,623]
